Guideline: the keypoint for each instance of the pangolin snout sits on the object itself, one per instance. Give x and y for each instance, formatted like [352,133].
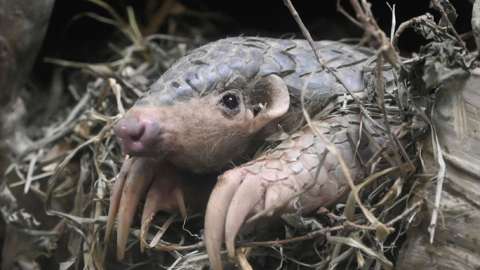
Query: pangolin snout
[138,135]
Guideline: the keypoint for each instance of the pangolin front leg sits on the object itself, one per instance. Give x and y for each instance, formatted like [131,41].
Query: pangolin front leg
[163,188]
[297,175]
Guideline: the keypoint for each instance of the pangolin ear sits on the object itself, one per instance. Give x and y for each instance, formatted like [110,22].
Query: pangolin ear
[275,103]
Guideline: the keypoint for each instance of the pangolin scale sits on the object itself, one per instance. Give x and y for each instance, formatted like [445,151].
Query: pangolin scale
[213,109]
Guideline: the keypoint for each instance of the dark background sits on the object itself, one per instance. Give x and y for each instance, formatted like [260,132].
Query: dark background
[81,38]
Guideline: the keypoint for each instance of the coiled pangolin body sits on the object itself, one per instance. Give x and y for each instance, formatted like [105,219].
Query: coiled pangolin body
[210,112]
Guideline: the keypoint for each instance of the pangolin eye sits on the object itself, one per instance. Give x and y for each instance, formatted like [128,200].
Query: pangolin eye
[230,101]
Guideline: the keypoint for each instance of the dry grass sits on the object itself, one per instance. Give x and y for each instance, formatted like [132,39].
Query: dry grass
[70,169]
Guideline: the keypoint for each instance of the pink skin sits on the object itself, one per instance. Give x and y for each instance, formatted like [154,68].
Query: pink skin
[139,134]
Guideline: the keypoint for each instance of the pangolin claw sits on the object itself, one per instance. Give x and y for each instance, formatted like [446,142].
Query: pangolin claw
[115,197]
[165,194]
[137,176]
[240,208]
[281,180]
[216,214]
[138,180]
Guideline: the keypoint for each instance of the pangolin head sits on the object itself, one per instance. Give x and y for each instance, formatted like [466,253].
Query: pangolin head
[202,130]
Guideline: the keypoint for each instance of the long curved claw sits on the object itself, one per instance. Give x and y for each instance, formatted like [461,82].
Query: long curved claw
[115,198]
[216,214]
[165,188]
[165,194]
[248,195]
[153,204]
[138,180]
[299,175]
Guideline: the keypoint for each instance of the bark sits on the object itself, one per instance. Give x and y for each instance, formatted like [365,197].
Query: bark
[457,238]
[23,24]
[476,23]
[22,27]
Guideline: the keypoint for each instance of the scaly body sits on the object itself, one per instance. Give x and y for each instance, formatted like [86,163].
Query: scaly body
[213,108]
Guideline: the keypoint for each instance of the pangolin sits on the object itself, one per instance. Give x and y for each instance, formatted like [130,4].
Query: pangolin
[213,110]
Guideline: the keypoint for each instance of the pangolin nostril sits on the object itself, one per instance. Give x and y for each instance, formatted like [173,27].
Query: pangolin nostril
[130,129]
[137,133]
